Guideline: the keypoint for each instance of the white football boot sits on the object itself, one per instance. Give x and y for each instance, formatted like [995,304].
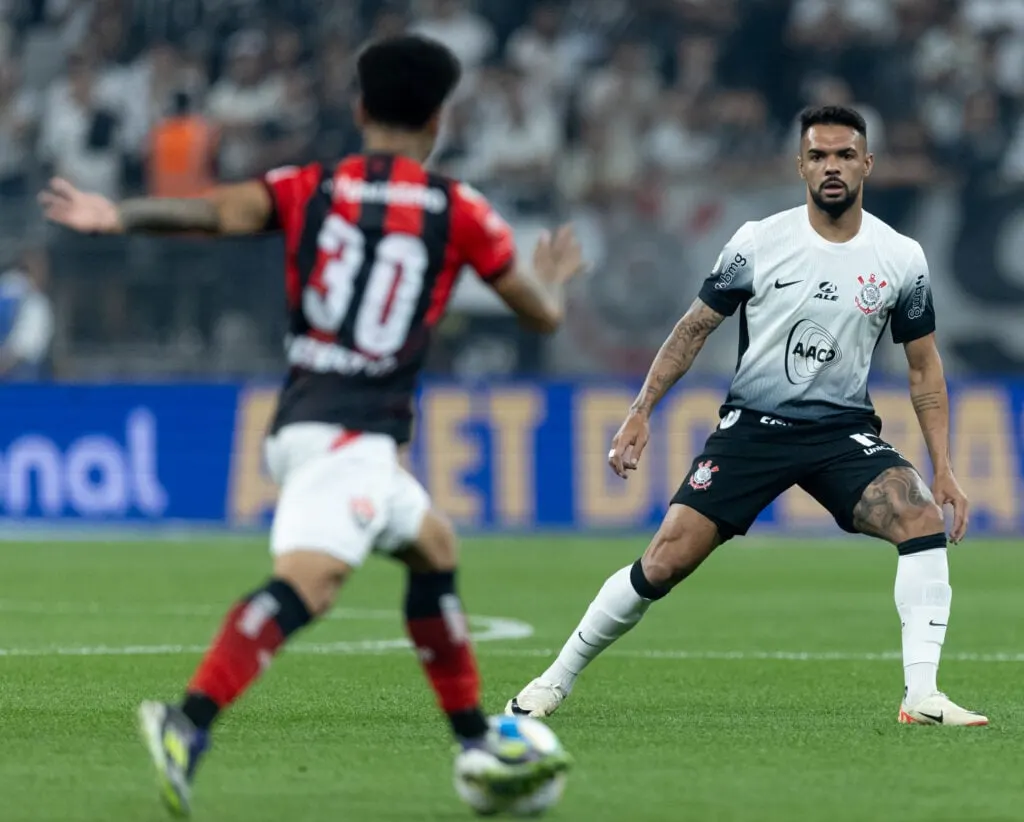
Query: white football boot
[939,709]
[538,699]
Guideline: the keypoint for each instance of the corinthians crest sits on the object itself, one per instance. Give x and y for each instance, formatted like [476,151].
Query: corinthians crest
[869,299]
[701,478]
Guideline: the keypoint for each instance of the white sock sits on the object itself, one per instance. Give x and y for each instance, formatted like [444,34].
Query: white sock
[614,611]
[923,598]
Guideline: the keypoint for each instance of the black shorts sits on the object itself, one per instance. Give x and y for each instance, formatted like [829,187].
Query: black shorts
[749,463]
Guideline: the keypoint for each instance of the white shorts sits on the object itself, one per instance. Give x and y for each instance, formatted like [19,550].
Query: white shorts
[344,498]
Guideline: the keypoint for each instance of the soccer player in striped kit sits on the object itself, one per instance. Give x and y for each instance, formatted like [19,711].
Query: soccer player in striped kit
[373,249]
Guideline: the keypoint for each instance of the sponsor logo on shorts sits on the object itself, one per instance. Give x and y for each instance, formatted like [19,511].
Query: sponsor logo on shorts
[730,419]
[873,444]
[766,420]
[363,511]
[869,299]
[700,479]
[810,349]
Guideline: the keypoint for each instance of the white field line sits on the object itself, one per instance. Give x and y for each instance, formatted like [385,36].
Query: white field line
[486,629]
[372,647]
[186,611]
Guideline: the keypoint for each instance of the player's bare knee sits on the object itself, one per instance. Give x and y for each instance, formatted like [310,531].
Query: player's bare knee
[684,540]
[436,546]
[315,576]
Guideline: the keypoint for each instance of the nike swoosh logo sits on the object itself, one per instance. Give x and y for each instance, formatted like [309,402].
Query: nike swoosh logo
[932,717]
[780,284]
[935,624]
[590,644]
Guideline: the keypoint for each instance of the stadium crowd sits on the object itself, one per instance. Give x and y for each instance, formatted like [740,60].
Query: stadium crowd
[565,102]
[593,94]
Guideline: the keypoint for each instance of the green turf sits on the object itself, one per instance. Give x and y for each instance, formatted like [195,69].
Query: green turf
[354,736]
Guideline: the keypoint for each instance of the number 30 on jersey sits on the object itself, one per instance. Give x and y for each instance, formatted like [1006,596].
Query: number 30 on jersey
[385,309]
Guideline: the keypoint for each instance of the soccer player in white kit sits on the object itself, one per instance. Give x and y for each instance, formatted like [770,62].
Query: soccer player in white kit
[815,287]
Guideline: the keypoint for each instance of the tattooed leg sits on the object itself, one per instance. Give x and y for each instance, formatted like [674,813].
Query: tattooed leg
[897,506]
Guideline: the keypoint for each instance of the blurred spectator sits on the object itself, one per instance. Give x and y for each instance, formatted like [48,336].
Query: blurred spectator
[1013,166]
[242,103]
[182,151]
[603,168]
[696,63]
[335,132]
[548,57]
[627,87]
[287,49]
[82,129]
[18,115]
[599,22]
[452,22]
[901,174]
[817,23]
[389,21]
[743,135]
[158,77]
[290,133]
[679,141]
[1008,64]
[949,55]
[26,319]
[518,135]
[993,16]
[983,141]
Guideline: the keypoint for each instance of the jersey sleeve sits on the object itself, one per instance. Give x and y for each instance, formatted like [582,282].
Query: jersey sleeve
[290,188]
[913,316]
[484,240]
[731,282]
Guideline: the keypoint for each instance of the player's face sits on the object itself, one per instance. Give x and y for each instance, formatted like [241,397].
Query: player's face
[834,161]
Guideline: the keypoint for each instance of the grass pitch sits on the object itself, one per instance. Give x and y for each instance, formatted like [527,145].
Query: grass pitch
[766,688]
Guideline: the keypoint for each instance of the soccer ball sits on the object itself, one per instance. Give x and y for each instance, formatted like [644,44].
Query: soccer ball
[536,741]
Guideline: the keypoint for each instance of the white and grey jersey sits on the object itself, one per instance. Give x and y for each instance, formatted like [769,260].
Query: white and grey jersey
[812,312]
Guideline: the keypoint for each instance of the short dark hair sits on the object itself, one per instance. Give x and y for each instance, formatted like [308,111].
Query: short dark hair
[405,80]
[832,116]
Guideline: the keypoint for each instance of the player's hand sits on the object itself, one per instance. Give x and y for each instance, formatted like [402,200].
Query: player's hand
[629,443]
[89,213]
[947,491]
[557,259]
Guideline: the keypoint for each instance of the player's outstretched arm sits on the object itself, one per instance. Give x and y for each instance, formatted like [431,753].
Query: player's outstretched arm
[931,403]
[538,299]
[674,359]
[243,208]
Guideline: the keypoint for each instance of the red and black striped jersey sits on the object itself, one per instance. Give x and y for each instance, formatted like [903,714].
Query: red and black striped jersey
[373,250]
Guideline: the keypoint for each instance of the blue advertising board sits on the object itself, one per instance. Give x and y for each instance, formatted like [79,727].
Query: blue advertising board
[520,455]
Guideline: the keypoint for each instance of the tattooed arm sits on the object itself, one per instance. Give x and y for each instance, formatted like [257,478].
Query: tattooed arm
[676,355]
[928,394]
[931,403]
[674,359]
[244,208]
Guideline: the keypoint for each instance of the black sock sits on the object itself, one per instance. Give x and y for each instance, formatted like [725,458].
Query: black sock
[469,724]
[642,585]
[201,710]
